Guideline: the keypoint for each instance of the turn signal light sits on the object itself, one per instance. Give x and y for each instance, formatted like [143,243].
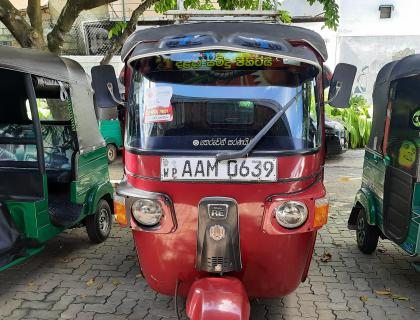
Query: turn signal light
[321,212]
[119,211]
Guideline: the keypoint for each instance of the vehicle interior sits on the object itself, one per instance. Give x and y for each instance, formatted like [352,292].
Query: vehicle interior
[19,161]
[402,149]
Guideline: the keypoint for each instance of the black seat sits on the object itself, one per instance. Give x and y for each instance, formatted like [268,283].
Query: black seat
[59,176]
[58,152]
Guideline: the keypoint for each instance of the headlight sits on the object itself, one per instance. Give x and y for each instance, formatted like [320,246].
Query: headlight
[147,212]
[291,214]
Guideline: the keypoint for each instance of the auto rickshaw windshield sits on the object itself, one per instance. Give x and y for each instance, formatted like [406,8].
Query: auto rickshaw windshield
[213,101]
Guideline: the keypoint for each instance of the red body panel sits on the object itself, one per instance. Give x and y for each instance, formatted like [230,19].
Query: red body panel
[217,298]
[274,259]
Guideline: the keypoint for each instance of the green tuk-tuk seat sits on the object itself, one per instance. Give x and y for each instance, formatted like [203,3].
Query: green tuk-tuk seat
[59,150]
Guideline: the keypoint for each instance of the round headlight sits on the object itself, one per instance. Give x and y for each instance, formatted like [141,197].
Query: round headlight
[147,212]
[291,214]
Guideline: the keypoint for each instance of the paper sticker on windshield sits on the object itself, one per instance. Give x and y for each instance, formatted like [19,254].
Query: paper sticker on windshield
[158,108]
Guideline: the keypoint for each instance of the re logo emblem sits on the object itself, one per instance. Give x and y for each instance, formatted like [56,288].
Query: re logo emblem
[217,212]
[416,119]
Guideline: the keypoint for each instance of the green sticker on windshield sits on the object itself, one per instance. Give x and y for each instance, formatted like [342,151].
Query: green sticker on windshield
[416,119]
[246,104]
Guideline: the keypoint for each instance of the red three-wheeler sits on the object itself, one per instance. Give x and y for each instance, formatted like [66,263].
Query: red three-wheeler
[224,154]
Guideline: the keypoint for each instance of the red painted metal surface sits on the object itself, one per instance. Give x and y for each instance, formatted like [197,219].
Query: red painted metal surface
[217,298]
[274,259]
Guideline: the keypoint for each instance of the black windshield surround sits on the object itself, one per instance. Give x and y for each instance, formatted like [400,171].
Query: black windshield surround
[223,111]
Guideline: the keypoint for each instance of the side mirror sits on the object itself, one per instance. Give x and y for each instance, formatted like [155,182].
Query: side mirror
[341,85]
[105,86]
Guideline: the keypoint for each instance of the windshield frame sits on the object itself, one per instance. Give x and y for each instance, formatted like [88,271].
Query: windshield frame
[317,93]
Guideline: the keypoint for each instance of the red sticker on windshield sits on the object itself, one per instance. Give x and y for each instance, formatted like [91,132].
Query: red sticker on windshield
[158,108]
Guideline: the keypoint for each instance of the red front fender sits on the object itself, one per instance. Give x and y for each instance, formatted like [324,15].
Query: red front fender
[217,298]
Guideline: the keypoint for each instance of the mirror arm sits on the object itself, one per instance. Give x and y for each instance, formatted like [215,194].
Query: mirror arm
[338,86]
[111,92]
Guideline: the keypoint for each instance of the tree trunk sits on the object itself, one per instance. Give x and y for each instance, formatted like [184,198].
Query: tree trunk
[131,27]
[68,15]
[35,14]
[25,35]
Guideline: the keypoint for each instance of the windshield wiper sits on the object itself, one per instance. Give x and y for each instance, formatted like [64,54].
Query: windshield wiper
[245,151]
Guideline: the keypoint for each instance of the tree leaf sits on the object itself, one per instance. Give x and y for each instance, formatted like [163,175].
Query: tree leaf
[285,16]
[362,125]
[326,257]
[386,292]
[90,282]
[116,282]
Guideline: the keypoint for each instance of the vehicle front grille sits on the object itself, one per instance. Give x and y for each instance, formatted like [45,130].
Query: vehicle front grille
[214,261]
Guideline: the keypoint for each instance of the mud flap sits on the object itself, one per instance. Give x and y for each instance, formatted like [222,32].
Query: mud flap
[217,298]
[9,238]
[398,194]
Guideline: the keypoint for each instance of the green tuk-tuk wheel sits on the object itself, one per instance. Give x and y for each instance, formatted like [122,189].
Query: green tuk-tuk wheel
[98,225]
[111,152]
[367,235]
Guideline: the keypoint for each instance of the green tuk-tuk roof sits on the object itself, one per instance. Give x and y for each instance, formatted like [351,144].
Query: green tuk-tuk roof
[392,71]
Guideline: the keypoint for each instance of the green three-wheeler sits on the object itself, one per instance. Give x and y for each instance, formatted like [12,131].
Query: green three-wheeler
[53,164]
[388,203]
[110,128]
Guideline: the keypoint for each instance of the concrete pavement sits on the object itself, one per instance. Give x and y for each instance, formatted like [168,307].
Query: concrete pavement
[73,279]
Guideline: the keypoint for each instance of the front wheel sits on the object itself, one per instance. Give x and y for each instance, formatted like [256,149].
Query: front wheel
[111,152]
[367,235]
[98,225]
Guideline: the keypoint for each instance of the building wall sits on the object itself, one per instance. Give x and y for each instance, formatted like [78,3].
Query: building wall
[370,42]
[359,18]
[87,62]
[365,40]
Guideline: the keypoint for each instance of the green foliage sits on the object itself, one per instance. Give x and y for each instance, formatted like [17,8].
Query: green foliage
[357,119]
[285,16]
[164,5]
[330,8]
[117,29]
[330,12]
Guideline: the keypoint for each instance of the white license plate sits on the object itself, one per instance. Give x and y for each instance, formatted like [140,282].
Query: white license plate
[208,169]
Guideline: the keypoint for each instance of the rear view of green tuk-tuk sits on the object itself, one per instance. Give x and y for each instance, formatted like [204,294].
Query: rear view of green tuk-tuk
[53,164]
[109,123]
[388,203]
[110,129]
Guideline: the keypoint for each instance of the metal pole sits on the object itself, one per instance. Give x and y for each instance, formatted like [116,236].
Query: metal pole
[180,4]
[123,8]
[30,91]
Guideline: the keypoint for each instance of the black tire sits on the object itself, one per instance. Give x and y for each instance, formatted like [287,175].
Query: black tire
[98,225]
[367,236]
[111,152]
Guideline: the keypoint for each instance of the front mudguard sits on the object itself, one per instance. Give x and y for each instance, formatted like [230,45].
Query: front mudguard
[364,199]
[102,191]
[217,298]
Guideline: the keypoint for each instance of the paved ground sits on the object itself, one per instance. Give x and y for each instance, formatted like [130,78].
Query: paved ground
[72,279]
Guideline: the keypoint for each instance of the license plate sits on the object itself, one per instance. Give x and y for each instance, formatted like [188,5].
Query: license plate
[208,169]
